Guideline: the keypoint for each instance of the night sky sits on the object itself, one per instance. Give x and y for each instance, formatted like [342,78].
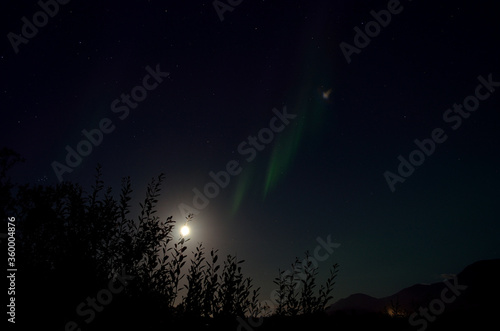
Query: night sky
[211,102]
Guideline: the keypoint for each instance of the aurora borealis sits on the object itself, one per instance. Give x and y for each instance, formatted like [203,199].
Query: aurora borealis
[274,186]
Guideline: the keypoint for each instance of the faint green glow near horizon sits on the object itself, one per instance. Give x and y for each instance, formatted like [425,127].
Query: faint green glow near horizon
[241,189]
[283,153]
[310,119]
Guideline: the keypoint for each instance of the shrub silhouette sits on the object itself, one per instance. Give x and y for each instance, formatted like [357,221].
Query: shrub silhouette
[296,289]
[76,243]
[79,242]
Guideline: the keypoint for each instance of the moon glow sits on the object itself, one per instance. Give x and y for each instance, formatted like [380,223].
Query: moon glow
[185,230]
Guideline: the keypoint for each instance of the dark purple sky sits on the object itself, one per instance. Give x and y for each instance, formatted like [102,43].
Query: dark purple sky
[318,174]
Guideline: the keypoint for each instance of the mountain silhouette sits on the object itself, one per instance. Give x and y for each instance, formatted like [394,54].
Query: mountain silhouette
[481,280]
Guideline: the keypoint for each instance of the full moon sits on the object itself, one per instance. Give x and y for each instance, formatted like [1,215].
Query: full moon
[184,230]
